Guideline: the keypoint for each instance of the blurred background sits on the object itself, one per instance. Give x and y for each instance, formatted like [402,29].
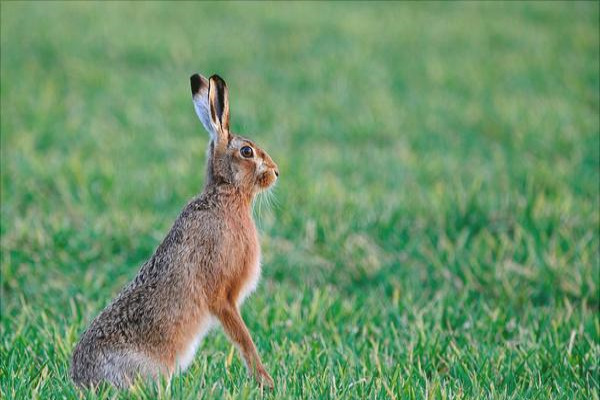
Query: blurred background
[435,229]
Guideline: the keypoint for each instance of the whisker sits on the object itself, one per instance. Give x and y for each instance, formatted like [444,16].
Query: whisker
[263,204]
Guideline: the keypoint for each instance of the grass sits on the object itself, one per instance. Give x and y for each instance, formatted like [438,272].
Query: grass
[436,229]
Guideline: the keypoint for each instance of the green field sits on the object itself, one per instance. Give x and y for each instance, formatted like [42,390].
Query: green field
[435,230]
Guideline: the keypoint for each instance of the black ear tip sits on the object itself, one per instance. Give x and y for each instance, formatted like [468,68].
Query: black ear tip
[220,81]
[195,83]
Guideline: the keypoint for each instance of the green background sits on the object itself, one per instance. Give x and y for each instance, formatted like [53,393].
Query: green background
[435,229]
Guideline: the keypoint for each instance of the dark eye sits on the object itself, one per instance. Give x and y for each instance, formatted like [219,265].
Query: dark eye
[246,151]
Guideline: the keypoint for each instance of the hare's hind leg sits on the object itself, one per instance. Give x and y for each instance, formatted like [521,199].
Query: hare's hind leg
[123,367]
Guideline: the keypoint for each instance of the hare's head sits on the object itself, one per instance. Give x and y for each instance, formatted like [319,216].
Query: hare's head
[232,159]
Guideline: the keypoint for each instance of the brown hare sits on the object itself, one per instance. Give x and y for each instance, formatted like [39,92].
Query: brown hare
[201,272]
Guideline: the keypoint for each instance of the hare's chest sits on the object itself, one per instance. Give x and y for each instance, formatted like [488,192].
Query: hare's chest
[244,259]
[251,275]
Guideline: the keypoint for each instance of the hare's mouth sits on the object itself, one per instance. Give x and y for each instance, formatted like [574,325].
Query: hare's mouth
[267,179]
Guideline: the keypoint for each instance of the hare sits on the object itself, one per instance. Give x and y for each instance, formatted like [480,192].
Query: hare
[200,274]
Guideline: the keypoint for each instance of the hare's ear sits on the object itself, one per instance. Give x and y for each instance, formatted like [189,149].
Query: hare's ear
[218,99]
[199,86]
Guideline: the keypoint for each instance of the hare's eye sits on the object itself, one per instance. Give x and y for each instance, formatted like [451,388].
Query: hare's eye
[246,151]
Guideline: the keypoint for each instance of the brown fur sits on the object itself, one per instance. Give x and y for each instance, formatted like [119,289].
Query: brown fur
[201,270]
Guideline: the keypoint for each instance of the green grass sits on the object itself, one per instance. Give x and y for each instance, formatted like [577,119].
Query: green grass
[436,231]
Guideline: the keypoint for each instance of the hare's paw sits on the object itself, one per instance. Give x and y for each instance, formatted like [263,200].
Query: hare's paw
[263,378]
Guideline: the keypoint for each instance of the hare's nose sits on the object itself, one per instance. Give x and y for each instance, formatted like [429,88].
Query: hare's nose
[277,172]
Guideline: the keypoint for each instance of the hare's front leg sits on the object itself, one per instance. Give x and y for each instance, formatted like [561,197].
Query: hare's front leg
[233,324]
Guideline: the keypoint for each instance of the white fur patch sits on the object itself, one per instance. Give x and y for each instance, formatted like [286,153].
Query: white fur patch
[185,358]
[203,112]
[262,167]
